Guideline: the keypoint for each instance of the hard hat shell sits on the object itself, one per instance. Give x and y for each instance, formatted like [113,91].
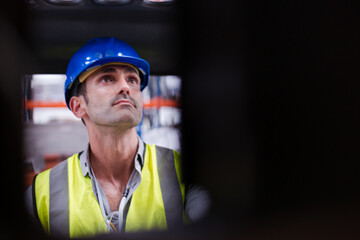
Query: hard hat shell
[99,51]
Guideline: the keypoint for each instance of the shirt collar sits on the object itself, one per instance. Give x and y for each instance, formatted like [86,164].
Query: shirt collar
[85,163]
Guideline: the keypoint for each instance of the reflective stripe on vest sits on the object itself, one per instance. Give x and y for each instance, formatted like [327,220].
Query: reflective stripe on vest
[66,203]
[165,208]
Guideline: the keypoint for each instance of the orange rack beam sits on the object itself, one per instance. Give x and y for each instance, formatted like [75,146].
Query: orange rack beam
[161,102]
[153,103]
[40,104]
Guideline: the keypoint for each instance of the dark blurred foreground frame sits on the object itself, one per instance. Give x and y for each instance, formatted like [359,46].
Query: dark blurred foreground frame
[270,118]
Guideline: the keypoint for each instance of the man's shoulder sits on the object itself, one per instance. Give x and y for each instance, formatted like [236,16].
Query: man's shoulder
[60,165]
[57,166]
[164,148]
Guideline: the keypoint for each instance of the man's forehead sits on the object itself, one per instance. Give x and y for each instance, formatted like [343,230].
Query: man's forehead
[113,67]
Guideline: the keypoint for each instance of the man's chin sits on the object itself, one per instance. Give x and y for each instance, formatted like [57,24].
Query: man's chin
[127,121]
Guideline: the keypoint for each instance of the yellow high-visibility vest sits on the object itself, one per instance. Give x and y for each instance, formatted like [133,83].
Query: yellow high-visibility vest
[66,205]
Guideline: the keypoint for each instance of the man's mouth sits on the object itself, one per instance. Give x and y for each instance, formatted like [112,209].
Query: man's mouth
[123,101]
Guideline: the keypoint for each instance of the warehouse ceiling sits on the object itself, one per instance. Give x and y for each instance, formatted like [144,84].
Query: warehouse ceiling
[54,32]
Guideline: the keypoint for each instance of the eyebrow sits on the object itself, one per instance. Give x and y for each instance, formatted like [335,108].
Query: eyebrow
[111,69]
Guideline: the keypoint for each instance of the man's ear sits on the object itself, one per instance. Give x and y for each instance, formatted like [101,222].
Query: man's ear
[76,107]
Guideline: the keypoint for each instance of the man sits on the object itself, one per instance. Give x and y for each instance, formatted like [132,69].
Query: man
[119,183]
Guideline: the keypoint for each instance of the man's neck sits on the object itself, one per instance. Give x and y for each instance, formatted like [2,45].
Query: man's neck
[112,155]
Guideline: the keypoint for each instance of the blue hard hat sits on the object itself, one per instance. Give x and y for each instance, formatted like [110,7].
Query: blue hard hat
[99,51]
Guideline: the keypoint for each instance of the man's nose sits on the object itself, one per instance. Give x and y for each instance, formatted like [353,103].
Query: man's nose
[123,86]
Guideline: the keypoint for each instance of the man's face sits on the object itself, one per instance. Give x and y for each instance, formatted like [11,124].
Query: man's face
[114,97]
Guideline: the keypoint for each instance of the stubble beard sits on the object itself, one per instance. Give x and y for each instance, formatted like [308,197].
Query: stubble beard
[116,116]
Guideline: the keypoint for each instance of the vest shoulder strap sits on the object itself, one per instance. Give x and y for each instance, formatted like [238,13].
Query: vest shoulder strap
[50,198]
[158,201]
[36,215]
[169,177]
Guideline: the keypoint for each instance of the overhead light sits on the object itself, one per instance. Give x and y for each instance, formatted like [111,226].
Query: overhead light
[32,3]
[112,2]
[65,2]
[159,2]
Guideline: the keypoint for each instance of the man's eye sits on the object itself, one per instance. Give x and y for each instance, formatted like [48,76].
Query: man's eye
[133,80]
[106,79]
